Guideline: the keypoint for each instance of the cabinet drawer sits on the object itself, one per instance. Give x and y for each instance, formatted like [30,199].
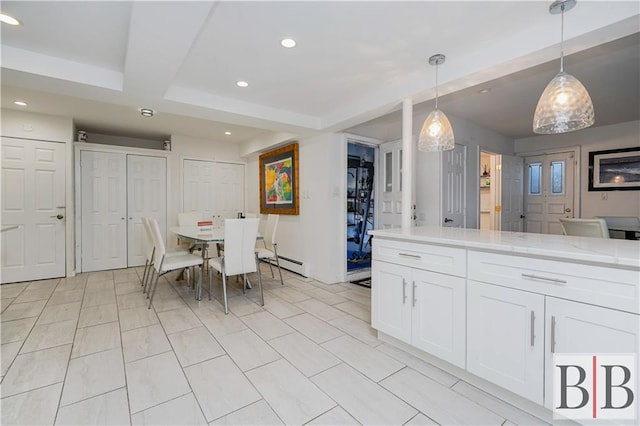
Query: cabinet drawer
[446,260]
[608,287]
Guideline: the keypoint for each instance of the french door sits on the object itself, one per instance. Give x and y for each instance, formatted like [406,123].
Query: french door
[549,191]
[33,201]
[390,184]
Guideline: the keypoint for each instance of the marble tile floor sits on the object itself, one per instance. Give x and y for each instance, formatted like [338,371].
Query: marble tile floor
[86,350]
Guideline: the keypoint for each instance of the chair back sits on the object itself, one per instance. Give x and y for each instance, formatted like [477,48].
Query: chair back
[189,218]
[149,234]
[585,227]
[621,222]
[158,242]
[270,231]
[239,245]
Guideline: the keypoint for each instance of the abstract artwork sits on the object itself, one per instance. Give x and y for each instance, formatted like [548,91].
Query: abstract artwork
[279,181]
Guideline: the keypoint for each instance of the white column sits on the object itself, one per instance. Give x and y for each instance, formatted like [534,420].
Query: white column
[407,163]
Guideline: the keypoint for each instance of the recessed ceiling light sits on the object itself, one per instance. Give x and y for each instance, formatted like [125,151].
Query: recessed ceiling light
[484,91]
[20,103]
[288,42]
[227,133]
[147,112]
[242,83]
[9,19]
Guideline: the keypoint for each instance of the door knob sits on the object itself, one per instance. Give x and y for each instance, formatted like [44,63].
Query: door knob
[447,220]
[59,217]
[567,210]
[521,216]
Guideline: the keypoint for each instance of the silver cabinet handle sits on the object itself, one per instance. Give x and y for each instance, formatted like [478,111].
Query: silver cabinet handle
[551,280]
[414,294]
[553,334]
[404,291]
[533,321]
[413,256]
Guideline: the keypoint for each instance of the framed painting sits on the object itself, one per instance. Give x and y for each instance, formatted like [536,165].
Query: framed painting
[279,181]
[614,170]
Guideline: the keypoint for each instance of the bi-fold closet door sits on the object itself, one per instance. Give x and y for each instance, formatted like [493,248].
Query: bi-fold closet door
[117,190]
[212,187]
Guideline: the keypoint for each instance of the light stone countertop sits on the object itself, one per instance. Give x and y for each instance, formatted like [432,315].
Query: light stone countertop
[603,251]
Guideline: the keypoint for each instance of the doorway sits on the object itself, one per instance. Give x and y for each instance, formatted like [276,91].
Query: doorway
[488,189]
[360,206]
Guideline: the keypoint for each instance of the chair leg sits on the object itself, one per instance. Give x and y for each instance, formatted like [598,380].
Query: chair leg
[188,271]
[275,251]
[210,280]
[224,290]
[144,274]
[145,289]
[270,267]
[152,291]
[260,279]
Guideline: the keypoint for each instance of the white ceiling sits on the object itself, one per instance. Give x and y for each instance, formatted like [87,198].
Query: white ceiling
[355,61]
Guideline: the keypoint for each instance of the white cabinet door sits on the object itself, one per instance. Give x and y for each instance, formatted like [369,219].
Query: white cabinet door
[505,338]
[104,210]
[146,196]
[439,315]
[33,199]
[390,300]
[586,329]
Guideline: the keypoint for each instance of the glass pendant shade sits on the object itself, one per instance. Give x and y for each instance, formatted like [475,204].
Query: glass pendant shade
[436,133]
[564,106]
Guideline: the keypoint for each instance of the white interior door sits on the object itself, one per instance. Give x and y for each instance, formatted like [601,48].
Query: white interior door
[104,210]
[33,199]
[390,182]
[454,164]
[512,188]
[216,189]
[198,187]
[146,196]
[549,191]
[229,189]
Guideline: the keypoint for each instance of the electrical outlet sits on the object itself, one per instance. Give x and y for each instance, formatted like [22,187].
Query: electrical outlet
[604,196]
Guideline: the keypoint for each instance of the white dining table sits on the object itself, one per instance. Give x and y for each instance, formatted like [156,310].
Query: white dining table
[201,236]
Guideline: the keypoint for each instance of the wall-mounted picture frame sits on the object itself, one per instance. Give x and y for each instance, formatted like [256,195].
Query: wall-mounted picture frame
[279,181]
[614,170]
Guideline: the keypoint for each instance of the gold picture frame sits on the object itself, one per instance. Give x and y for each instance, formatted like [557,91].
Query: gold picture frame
[279,181]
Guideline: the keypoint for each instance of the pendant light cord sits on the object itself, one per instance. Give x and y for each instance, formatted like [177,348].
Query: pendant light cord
[562,38]
[436,85]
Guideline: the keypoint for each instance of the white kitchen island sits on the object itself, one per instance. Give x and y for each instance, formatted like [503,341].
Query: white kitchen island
[493,307]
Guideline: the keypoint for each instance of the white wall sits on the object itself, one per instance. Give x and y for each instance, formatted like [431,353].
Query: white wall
[313,236]
[26,125]
[624,135]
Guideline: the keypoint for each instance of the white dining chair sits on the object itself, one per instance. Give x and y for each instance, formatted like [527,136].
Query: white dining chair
[239,255]
[270,249]
[189,218]
[148,263]
[585,227]
[163,263]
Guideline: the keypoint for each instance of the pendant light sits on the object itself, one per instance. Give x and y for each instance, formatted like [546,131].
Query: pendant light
[436,133]
[565,105]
